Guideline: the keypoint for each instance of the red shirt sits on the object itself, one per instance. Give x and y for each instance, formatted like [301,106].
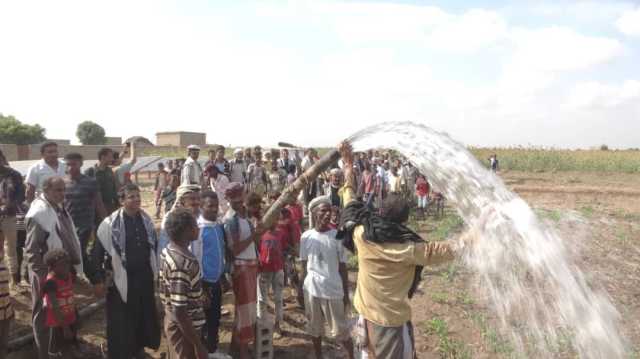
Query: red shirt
[422,187]
[63,291]
[296,212]
[272,246]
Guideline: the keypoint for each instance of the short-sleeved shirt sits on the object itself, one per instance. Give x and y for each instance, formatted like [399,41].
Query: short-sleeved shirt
[323,254]
[272,247]
[6,308]
[180,284]
[79,200]
[41,171]
[106,185]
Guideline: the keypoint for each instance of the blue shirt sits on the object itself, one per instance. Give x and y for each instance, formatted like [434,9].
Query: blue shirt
[209,249]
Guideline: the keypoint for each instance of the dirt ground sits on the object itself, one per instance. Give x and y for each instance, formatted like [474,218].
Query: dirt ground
[597,213]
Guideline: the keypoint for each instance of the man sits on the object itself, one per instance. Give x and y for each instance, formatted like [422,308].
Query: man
[191,169]
[48,166]
[160,184]
[390,260]
[218,183]
[181,289]
[209,250]
[49,226]
[122,168]
[220,162]
[126,247]
[6,308]
[82,201]
[238,167]
[187,196]
[12,194]
[325,281]
[242,241]
[284,161]
[170,192]
[334,189]
[367,185]
[105,179]
[311,190]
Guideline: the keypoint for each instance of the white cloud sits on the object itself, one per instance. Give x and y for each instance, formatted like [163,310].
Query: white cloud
[350,64]
[594,95]
[629,22]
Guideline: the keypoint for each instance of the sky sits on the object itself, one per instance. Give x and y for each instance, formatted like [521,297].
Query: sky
[556,73]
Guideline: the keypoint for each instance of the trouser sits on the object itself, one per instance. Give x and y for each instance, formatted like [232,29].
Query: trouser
[22,265]
[8,231]
[38,315]
[423,201]
[275,281]
[4,336]
[212,315]
[369,199]
[84,236]
[179,346]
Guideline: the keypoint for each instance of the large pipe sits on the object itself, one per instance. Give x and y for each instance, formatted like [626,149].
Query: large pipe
[300,183]
[84,312]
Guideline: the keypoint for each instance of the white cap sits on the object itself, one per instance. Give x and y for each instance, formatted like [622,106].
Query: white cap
[193,148]
[237,150]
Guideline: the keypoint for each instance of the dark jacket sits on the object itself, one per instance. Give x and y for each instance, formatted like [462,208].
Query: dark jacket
[12,191]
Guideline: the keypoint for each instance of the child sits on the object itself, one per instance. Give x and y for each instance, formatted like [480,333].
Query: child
[273,244]
[59,306]
[422,192]
[181,288]
[292,230]
[210,252]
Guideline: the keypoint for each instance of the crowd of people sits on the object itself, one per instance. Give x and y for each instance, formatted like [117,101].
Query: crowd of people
[66,226]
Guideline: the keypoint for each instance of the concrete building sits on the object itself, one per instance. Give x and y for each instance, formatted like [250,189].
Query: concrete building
[113,141]
[181,138]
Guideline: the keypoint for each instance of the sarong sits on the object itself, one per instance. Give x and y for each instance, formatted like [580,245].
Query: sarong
[244,279]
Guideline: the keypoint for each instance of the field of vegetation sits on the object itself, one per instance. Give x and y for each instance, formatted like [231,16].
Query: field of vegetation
[552,160]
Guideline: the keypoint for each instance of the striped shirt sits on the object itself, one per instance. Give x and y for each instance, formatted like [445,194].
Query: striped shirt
[79,199]
[6,309]
[180,284]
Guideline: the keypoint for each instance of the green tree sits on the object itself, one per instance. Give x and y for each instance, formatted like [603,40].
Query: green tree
[90,133]
[15,132]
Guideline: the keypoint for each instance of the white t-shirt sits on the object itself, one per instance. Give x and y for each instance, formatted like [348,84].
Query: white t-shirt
[121,171]
[219,185]
[40,171]
[323,253]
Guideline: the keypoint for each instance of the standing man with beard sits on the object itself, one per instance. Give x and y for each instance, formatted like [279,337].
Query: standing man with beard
[126,247]
[49,227]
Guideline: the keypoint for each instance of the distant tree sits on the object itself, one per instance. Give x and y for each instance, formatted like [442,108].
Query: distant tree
[90,133]
[15,132]
[604,148]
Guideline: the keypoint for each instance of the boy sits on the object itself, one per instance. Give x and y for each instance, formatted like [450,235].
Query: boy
[210,252]
[272,247]
[59,304]
[181,288]
[422,192]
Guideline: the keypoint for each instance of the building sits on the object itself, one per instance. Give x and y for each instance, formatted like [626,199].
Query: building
[181,139]
[113,141]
